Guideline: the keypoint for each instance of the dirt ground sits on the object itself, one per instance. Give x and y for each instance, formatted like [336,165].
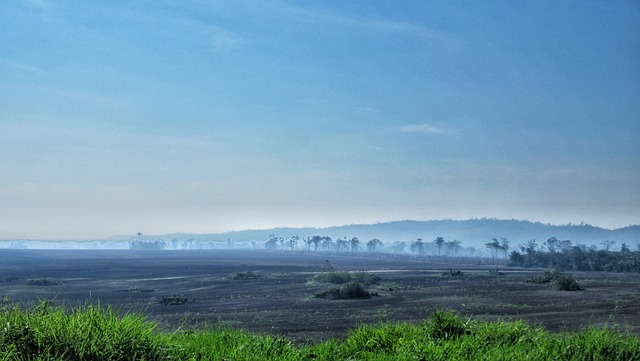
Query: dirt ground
[280,300]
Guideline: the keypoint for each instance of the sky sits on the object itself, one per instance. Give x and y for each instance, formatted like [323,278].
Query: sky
[157,116]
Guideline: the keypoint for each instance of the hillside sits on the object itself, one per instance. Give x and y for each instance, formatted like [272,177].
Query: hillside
[473,232]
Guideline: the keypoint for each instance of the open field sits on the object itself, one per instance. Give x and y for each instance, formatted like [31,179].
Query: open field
[205,287]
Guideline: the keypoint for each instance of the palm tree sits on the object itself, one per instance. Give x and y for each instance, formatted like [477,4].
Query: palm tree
[355,243]
[439,241]
[452,247]
[293,242]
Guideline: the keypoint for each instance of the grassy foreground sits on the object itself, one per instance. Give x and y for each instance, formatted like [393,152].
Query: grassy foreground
[90,332]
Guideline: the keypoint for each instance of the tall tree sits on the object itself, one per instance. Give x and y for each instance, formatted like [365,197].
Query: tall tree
[452,247]
[327,243]
[552,244]
[293,242]
[504,246]
[342,244]
[439,241]
[315,240]
[373,244]
[355,243]
[494,246]
[417,246]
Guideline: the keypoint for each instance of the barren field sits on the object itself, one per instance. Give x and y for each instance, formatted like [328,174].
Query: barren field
[207,290]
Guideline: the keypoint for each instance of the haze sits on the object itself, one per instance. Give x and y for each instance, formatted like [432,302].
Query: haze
[197,116]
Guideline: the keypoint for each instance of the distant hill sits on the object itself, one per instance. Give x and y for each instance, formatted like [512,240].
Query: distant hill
[473,232]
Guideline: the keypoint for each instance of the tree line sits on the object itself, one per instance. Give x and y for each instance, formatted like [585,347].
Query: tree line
[439,246]
[562,254]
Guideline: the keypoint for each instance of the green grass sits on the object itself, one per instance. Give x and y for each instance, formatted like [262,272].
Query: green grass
[91,332]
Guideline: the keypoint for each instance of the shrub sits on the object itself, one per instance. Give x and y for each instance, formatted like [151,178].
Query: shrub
[173,300]
[249,275]
[341,277]
[336,278]
[453,273]
[557,280]
[347,291]
[43,282]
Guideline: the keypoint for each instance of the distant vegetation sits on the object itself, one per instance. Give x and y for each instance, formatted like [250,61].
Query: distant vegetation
[45,332]
[449,238]
[352,283]
[563,255]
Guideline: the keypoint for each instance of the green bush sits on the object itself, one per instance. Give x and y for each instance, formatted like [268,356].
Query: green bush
[558,280]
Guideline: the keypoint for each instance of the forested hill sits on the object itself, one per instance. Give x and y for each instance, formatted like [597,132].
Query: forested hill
[475,232]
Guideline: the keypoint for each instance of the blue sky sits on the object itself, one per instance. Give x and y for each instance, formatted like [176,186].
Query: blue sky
[199,116]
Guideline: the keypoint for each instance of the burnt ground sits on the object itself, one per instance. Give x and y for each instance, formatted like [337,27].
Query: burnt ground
[280,300]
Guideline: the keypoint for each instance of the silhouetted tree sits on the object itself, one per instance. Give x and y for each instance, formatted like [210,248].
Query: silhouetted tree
[452,247]
[342,244]
[439,241]
[355,243]
[551,244]
[417,246]
[493,246]
[624,248]
[607,244]
[293,242]
[373,244]
[327,243]
[504,246]
[565,245]
[315,240]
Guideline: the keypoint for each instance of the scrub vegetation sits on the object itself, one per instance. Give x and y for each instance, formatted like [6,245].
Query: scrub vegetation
[352,284]
[558,280]
[90,332]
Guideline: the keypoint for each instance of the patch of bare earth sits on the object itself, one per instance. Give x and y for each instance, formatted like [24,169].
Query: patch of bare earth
[279,299]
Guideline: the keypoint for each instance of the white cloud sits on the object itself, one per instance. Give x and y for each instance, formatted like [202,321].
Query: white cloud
[422,128]
[24,67]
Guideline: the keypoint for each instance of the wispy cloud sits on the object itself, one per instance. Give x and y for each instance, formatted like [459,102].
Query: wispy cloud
[220,38]
[24,67]
[422,128]
[399,27]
